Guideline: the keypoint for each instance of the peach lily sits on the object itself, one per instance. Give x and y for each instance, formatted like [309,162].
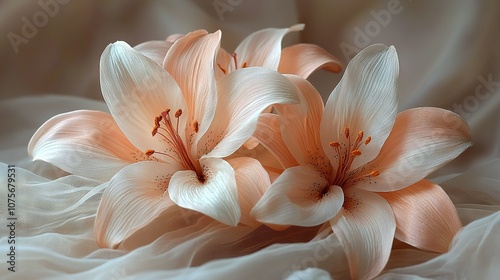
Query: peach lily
[359,165]
[183,120]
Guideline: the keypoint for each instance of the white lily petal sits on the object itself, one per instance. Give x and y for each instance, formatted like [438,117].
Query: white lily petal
[252,181]
[135,196]
[136,90]
[85,143]
[365,228]
[304,59]
[215,194]
[422,140]
[364,100]
[191,61]
[301,126]
[268,133]
[301,197]
[262,48]
[154,50]
[244,94]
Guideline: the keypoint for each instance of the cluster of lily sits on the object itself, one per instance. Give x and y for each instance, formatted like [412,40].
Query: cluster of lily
[184,113]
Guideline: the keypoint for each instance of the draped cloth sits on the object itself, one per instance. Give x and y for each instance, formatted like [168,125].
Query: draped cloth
[449,56]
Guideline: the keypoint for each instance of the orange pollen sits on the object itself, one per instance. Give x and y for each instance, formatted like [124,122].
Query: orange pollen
[374,173]
[360,136]
[155,130]
[196,126]
[149,152]
[356,153]
[244,65]
[368,139]
[334,144]
[222,69]
[346,132]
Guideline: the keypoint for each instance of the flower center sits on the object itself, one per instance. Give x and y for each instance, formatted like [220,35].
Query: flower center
[243,65]
[346,155]
[170,133]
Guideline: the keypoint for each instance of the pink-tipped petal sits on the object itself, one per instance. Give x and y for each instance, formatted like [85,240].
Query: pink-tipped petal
[252,181]
[135,196]
[301,124]
[214,193]
[268,133]
[425,216]
[191,61]
[301,197]
[304,59]
[365,228]
[364,100]
[243,94]
[262,48]
[422,140]
[86,143]
[137,90]
[154,50]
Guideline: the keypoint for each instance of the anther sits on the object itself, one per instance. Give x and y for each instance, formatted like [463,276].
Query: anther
[360,136]
[155,130]
[222,69]
[356,152]
[346,132]
[334,144]
[149,152]
[374,173]
[244,65]
[368,139]
[178,113]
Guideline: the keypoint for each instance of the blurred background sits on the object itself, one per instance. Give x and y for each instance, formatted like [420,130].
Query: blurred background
[449,51]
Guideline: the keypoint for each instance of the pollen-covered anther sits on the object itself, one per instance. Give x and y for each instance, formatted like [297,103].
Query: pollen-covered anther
[178,113]
[149,152]
[196,126]
[368,139]
[374,173]
[356,153]
[222,69]
[346,132]
[244,65]
[334,144]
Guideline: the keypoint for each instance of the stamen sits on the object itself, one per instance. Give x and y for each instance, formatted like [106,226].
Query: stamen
[334,144]
[244,65]
[374,173]
[235,61]
[356,153]
[222,69]
[149,152]
[360,136]
[346,132]
[368,139]
[178,113]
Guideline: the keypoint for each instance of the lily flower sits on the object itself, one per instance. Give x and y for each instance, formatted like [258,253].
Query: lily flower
[263,48]
[359,165]
[185,122]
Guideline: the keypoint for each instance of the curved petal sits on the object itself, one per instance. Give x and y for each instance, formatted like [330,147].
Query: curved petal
[135,197]
[301,197]
[422,140]
[364,100]
[262,48]
[154,50]
[252,181]
[365,228]
[85,143]
[214,194]
[137,90]
[301,126]
[191,62]
[425,216]
[304,59]
[243,94]
[268,133]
